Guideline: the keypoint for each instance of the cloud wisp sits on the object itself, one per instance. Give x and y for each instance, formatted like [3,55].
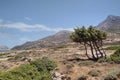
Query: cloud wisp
[28,18]
[31,27]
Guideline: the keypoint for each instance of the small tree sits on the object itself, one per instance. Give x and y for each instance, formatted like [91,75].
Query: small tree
[90,37]
[81,36]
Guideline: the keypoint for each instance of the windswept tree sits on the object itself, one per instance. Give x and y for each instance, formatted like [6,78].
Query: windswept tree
[92,38]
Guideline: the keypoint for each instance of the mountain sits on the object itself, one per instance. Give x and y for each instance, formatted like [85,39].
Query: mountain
[110,24]
[4,48]
[59,38]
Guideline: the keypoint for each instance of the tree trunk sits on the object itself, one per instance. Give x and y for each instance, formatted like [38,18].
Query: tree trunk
[95,50]
[102,48]
[92,51]
[104,52]
[99,49]
[86,51]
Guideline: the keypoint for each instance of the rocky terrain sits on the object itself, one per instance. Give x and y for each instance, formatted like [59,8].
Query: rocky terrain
[110,24]
[59,38]
[70,58]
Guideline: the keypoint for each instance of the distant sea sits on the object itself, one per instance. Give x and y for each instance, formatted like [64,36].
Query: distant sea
[4,50]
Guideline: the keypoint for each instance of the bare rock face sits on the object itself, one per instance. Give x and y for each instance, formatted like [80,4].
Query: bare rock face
[110,24]
[56,76]
[59,76]
[59,38]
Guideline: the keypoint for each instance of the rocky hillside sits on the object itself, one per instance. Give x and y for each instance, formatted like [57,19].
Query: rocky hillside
[110,24]
[59,38]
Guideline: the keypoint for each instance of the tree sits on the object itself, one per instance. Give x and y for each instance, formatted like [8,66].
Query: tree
[92,38]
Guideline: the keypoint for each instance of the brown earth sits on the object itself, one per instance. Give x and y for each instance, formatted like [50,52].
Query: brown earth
[71,61]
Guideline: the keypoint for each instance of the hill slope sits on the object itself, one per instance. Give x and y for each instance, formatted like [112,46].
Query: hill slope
[59,38]
[110,24]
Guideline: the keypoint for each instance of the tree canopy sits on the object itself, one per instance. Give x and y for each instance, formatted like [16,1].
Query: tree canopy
[92,38]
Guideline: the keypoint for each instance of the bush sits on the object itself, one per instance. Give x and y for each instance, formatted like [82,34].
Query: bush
[112,48]
[115,57]
[36,70]
[24,72]
[44,64]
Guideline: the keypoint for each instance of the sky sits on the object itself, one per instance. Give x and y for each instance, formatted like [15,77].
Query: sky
[29,20]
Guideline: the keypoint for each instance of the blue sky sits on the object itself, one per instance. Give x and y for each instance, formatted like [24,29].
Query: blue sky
[29,20]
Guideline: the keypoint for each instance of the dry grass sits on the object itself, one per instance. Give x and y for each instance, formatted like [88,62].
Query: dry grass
[71,62]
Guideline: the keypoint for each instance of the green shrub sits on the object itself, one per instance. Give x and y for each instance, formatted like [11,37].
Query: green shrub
[24,72]
[36,70]
[44,64]
[115,57]
[112,48]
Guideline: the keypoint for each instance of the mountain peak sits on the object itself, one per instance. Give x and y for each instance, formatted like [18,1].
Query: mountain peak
[112,17]
[110,24]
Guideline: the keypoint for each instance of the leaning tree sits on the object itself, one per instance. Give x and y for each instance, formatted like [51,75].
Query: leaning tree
[92,38]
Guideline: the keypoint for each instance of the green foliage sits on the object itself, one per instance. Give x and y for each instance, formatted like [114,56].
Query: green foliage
[83,35]
[36,70]
[44,64]
[112,48]
[89,37]
[80,35]
[24,72]
[116,56]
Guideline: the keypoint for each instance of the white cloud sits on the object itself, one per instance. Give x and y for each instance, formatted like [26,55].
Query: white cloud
[31,27]
[28,18]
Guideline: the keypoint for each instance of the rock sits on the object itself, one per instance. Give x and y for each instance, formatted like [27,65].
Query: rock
[59,76]
[56,74]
